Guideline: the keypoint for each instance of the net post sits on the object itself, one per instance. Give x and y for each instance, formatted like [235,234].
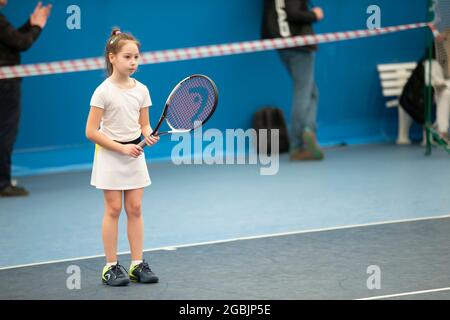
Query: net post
[427,89]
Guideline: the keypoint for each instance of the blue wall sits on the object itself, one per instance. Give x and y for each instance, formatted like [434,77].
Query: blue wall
[351,106]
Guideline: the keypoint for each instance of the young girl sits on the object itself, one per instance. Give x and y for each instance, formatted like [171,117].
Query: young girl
[117,119]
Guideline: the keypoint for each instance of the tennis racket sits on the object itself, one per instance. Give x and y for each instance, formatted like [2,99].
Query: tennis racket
[190,104]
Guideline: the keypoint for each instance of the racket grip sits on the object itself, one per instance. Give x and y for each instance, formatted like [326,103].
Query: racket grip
[142,144]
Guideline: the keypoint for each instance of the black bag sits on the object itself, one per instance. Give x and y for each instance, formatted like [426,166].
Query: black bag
[271,118]
[412,99]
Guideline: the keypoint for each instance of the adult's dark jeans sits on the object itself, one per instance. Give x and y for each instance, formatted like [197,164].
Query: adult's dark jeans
[9,125]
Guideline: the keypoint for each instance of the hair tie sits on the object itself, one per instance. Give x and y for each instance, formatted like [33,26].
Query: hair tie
[115,33]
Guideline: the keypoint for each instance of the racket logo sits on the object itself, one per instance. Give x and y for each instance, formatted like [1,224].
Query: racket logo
[201,95]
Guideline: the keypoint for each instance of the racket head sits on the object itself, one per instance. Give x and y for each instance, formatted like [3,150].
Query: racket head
[190,104]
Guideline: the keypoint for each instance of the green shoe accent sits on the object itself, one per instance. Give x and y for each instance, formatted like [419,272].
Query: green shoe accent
[105,269]
[310,143]
[115,275]
[142,273]
[131,275]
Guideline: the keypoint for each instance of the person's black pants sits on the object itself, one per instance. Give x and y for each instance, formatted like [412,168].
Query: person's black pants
[9,125]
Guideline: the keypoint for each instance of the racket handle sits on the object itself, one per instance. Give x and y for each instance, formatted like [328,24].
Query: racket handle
[142,144]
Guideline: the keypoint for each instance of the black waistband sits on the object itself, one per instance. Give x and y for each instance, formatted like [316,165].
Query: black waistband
[136,141]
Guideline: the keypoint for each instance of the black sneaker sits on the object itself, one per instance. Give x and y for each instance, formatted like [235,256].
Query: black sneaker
[13,191]
[115,276]
[142,273]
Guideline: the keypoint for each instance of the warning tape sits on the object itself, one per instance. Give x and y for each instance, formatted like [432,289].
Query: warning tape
[153,57]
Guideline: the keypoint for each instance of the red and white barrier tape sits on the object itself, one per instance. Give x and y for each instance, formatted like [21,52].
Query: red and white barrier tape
[153,57]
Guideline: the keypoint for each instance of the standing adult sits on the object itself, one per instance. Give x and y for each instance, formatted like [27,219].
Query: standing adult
[12,42]
[287,18]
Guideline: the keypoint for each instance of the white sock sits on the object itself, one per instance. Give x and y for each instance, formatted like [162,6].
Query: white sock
[135,263]
[110,264]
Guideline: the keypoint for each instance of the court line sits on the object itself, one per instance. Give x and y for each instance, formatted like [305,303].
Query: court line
[272,235]
[405,294]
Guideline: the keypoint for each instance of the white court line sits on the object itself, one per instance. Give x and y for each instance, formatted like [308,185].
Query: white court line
[174,247]
[405,294]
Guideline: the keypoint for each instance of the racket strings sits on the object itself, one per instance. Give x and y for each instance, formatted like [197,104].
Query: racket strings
[191,104]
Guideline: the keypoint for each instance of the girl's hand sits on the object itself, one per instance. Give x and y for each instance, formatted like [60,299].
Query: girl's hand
[132,150]
[151,140]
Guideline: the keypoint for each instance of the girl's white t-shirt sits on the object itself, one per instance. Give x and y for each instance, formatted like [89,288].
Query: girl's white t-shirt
[122,108]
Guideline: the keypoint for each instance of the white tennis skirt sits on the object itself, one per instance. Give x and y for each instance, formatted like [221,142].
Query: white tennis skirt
[116,171]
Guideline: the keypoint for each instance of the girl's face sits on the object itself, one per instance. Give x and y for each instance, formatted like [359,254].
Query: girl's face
[3,3]
[125,61]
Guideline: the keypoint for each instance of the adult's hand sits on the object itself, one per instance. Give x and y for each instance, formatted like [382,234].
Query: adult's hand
[318,12]
[40,15]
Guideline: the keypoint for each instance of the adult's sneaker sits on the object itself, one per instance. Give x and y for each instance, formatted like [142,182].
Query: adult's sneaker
[310,144]
[13,191]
